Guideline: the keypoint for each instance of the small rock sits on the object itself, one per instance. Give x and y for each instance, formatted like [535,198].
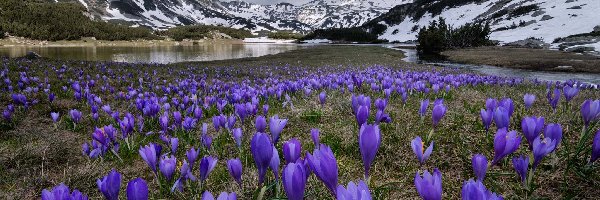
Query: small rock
[564,67]
[532,43]
[546,17]
[538,13]
[580,49]
[596,28]
[32,55]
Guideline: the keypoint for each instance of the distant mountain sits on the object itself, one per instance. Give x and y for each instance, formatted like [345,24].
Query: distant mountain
[316,14]
[511,20]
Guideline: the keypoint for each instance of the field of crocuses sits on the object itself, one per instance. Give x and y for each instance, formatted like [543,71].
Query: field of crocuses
[105,130]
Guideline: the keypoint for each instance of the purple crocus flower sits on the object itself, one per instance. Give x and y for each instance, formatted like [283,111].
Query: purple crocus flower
[217,122]
[380,116]
[61,192]
[294,179]
[505,143]
[234,166]
[554,132]
[110,185]
[260,124]
[532,127]
[324,165]
[167,166]
[198,112]
[570,92]
[150,154]
[541,148]
[322,98]
[360,100]
[554,98]
[54,116]
[7,115]
[507,104]
[276,125]
[491,104]
[274,163]
[418,147]
[595,147]
[314,134]
[475,190]
[528,99]
[110,131]
[237,136]
[292,150]
[207,164]
[192,155]
[75,115]
[354,191]
[189,123]
[521,165]
[177,118]
[439,110]
[106,109]
[480,164]
[486,118]
[429,186]
[51,97]
[265,109]
[227,196]
[501,117]
[137,189]
[590,111]
[262,151]
[206,141]
[362,114]
[423,108]
[164,122]
[174,142]
[99,136]
[380,104]
[369,140]
[230,122]
[207,196]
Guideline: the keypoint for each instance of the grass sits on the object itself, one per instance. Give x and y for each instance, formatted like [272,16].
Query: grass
[532,59]
[35,156]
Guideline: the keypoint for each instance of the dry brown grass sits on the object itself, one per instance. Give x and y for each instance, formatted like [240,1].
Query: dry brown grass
[532,59]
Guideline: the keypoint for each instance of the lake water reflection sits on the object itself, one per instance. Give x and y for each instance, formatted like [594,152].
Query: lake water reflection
[154,54]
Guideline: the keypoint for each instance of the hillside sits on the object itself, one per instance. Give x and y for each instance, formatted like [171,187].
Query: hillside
[511,20]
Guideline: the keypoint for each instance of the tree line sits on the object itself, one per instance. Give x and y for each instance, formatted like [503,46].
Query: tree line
[40,20]
[196,32]
[355,34]
[439,36]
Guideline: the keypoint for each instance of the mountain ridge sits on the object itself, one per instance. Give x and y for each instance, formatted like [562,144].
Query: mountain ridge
[316,14]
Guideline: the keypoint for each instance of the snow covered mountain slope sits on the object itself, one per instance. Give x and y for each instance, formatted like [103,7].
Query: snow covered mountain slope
[511,20]
[314,14]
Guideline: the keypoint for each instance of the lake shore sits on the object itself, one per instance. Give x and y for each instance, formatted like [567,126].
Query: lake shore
[522,58]
[19,41]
